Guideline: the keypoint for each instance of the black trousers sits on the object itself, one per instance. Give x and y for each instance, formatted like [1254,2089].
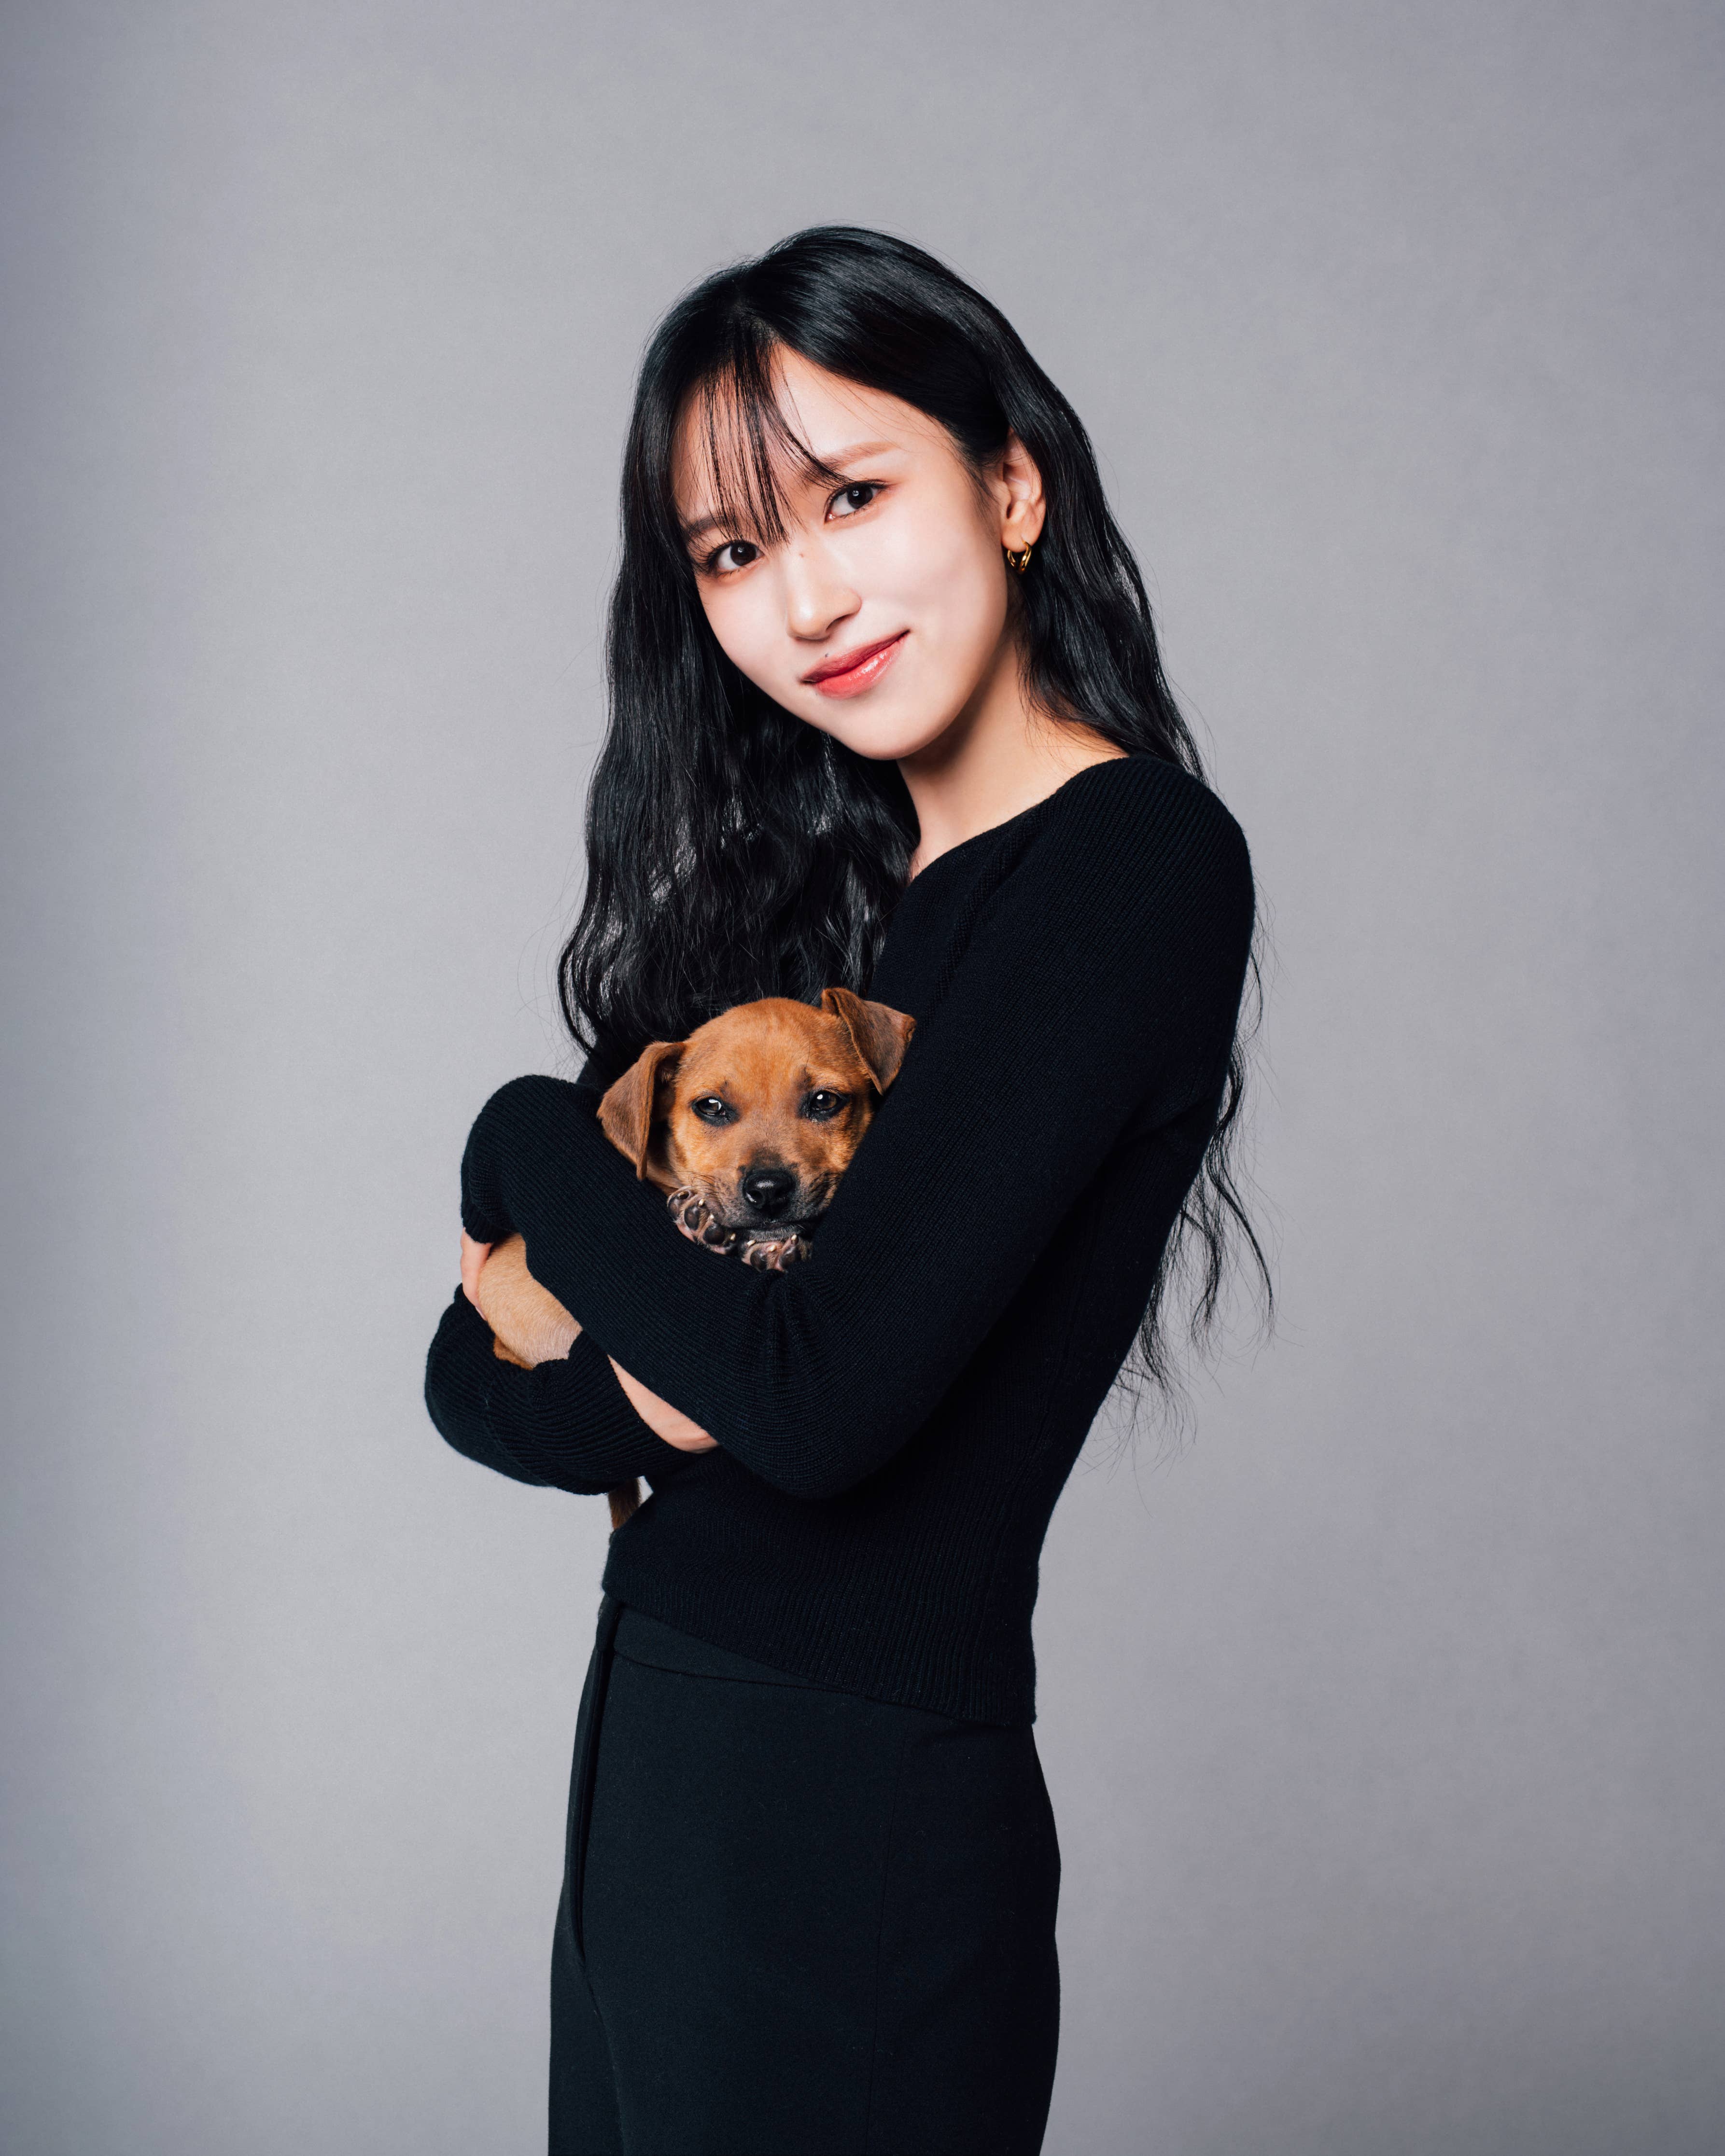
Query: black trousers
[795,1922]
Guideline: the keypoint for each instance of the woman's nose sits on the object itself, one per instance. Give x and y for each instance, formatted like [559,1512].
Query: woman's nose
[816,601]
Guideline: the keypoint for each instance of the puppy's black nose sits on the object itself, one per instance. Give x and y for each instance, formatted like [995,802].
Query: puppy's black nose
[770,1190]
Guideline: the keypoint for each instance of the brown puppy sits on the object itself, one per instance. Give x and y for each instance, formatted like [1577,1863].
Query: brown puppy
[747,1127]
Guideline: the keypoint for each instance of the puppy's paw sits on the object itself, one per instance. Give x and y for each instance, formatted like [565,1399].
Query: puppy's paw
[773,1254]
[695,1222]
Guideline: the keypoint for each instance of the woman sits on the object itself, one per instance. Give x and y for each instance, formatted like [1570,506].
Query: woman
[887,713]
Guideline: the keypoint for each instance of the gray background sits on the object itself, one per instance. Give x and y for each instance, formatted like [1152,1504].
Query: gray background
[1383,1717]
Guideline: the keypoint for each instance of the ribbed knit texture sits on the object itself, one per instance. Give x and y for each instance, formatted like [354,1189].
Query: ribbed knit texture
[897,1417]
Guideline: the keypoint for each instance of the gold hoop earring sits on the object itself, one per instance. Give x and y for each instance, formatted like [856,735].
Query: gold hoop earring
[1020,561]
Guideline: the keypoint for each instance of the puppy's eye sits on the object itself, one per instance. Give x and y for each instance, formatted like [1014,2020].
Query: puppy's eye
[822,1106]
[711,1109]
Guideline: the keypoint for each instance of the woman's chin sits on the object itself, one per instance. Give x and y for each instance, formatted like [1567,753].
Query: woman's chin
[888,733]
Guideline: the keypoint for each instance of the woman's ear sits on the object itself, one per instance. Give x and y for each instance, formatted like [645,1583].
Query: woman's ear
[879,1034]
[630,1107]
[1024,507]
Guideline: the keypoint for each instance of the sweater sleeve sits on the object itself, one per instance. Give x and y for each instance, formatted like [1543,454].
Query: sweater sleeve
[1100,984]
[568,1423]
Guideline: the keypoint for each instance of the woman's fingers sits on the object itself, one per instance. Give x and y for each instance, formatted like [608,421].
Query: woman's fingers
[473,1257]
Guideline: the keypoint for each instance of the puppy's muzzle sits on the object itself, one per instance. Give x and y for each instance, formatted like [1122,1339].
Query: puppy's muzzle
[768,1192]
[767,1198]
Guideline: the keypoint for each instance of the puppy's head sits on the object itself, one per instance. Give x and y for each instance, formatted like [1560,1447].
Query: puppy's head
[759,1110]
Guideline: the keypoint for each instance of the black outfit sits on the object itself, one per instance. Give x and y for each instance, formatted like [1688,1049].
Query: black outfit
[796,1922]
[895,1418]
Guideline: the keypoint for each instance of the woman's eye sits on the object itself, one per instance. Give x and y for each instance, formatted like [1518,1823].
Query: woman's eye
[823,1106]
[711,1109]
[734,554]
[850,499]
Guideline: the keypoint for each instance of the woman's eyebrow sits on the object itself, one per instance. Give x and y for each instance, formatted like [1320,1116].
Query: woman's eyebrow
[836,457]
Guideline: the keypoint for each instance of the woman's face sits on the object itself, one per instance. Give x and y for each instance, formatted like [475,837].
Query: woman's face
[881,615]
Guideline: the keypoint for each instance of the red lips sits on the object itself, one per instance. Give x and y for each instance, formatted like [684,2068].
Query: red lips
[850,672]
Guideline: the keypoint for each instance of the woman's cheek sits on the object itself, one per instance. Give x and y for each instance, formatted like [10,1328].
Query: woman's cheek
[750,632]
[950,589]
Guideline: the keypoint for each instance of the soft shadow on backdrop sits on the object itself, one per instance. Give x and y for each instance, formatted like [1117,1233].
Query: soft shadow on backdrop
[1384,1720]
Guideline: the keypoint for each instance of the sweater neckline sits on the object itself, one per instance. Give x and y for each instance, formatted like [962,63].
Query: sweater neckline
[994,832]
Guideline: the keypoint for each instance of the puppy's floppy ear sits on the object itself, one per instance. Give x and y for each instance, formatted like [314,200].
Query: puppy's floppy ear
[881,1035]
[627,1112]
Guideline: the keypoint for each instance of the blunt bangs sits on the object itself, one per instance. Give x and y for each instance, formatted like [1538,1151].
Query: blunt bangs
[745,446]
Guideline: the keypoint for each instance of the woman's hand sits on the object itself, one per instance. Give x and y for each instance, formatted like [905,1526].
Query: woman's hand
[473,1257]
[663,1420]
[531,1325]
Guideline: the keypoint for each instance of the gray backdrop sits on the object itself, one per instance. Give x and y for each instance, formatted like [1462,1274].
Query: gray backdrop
[1383,1717]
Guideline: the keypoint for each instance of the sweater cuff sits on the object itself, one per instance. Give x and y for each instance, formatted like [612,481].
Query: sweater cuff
[568,1423]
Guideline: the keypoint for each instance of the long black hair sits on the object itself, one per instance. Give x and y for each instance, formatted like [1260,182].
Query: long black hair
[735,851]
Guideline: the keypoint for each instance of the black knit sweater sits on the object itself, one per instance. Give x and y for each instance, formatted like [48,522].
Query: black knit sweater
[896,1418]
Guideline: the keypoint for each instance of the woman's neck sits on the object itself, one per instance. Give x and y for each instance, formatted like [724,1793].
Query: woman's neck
[998,757]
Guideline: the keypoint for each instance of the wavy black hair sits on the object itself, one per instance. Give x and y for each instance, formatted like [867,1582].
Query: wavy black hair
[735,851]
